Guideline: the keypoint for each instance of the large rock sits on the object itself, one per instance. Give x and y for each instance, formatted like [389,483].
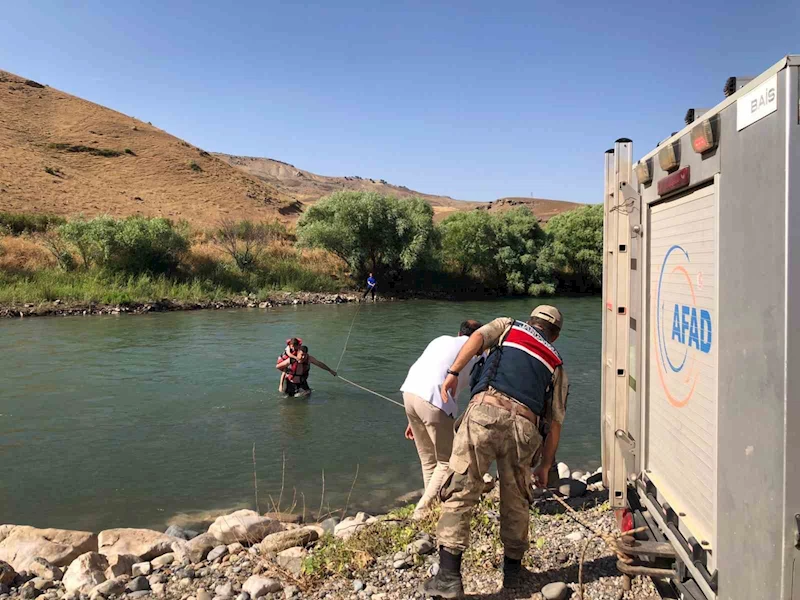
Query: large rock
[257,586]
[144,543]
[7,573]
[180,532]
[199,547]
[23,544]
[285,517]
[110,587]
[45,569]
[350,525]
[120,564]
[85,573]
[292,560]
[5,530]
[244,526]
[277,542]
[555,591]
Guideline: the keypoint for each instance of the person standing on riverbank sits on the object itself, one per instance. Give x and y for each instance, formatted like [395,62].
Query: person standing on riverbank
[298,370]
[430,421]
[372,283]
[521,384]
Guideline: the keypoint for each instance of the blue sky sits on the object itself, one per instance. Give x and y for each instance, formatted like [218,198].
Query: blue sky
[476,100]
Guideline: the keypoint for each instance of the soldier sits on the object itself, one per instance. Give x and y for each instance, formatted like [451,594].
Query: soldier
[521,385]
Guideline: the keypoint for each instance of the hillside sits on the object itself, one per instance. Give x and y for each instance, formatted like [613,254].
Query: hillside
[64,155]
[309,187]
[67,156]
[541,207]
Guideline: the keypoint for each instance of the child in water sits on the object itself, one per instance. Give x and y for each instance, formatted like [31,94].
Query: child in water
[290,352]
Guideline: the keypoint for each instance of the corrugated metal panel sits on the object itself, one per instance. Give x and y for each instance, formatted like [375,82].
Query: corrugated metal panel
[682,377]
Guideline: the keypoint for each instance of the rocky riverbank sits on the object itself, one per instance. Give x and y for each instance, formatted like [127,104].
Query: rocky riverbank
[64,309]
[249,556]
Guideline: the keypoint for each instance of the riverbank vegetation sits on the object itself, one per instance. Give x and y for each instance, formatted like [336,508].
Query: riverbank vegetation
[336,243]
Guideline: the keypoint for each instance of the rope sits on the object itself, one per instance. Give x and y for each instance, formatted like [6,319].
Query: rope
[610,539]
[361,387]
[348,336]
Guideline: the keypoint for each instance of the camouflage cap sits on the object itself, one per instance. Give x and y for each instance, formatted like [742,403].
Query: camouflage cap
[548,313]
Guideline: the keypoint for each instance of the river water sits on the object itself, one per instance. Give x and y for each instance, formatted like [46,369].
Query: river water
[140,421]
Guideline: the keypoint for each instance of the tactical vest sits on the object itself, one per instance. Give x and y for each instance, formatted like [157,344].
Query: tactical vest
[298,371]
[521,366]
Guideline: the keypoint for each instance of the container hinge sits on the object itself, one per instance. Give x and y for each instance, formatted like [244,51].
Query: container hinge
[797,531]
[624,436]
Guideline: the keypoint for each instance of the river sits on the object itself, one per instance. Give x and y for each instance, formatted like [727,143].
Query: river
[141,421]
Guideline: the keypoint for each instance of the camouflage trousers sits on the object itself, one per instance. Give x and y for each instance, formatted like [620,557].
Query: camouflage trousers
[486,434]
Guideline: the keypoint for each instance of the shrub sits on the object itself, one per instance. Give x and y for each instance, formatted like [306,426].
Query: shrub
[87,149]
[245,241]
[129,151]
[135,244]
[195,167]
[54,172]
[19,223]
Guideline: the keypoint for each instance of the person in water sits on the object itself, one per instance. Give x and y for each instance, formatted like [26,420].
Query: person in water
[372,283]
[297,371]
[290,352]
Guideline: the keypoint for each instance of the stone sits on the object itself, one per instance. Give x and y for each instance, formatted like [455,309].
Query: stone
[291,591]
[158,589]
[157,578]
[202,595]
[292,560]
[358,585]
[5,530]
[256,586]
[120,564]
[285,517]
[563,470]
[144,543]
[142,568]
[28,592]
[350,525]
[488,483]
[235,548]
[23,544]
[401,564]
[277,542]
[243,596]
[380,596]
[244,526]
[595,478]
[575,536]
[45,569]
[198,548]
[571,488]
[7,573]
[217,553]
[85,573]
[139,594]
[421,546]
[224,590]
[555,591]
[180,532]
[329,525]
[42,584]
[138,584]
[110,587]
[163,560]
[577,475]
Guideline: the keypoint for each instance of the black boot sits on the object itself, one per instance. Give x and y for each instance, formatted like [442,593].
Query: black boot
[447,582]
[513,573]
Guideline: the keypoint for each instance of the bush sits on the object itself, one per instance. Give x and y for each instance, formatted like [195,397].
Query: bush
[19,223]
[245,241]
[87,149]
[195,167]
[135,244]
[129,151]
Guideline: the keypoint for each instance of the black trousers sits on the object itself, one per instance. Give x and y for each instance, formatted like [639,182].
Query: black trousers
[372,289]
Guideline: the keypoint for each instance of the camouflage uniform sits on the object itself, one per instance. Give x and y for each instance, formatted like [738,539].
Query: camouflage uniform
[487,433]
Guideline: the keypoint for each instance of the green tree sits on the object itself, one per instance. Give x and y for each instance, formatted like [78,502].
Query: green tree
[574,254]
[519,240]
[469,243]
[370,231]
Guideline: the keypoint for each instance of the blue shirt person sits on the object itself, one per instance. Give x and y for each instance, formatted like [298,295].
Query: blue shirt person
[372,283]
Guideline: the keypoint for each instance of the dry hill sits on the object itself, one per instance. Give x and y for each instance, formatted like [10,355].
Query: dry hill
[309,187]
[64,155]
[541,207]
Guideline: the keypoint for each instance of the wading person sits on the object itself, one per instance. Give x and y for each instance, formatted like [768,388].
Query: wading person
[297,371]
[292,347]
[521,383]
[430,421]
[372,283]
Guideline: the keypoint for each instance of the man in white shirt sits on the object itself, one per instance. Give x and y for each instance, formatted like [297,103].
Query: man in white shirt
[430,421]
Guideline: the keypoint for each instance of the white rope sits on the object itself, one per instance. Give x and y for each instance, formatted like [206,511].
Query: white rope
[348,336]
[361,387]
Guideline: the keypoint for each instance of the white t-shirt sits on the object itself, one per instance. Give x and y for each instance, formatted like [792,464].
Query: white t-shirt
[427,374]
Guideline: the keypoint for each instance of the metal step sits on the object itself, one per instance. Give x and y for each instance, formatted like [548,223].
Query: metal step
[634,547]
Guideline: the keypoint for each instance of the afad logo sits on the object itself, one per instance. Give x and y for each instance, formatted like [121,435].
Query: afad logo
[683,331]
